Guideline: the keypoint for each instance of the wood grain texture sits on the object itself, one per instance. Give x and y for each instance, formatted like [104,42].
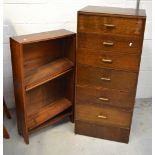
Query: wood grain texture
[43,70]
[116,98]
[100,131]
[119,44]
[43,36]
[48,112]
[126,62]
[103,115]
[18,81]
[121,26]
[52,121]
[37,54]
[92,76]
[55,87]
[113,11]
[47,72]
[109,46]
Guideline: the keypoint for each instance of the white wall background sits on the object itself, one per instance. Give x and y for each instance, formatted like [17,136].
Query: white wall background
[30,16]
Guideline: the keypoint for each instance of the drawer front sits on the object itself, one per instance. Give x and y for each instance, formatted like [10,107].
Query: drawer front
[99,77]
[94,96]
[103,115]
[109,43]
[128,62]
[112,25]
[100,131]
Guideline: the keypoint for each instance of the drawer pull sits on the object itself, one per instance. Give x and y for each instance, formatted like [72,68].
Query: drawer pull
[105,79]
[102,116]
[107,60]
[109,25]
[103,99]
[108,43]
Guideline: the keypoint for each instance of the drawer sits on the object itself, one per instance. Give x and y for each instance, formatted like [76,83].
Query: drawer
[128,62]
[103,115]
[109,43]
[100,131]
[107,78]
[112,25]
[103,96]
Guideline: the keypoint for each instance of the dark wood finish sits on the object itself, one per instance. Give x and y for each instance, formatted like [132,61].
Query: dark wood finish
[98,43]
[113,11]
[47,112]
[8,115]
[112,25]
[53,120]
[18,80]
[115,98]
[127,62]
[109,46]
[55,87]
[5,133]
[100,131]
[92,76]
[43,36]
[43,71]
[103,115]
[6,110]
[47,72]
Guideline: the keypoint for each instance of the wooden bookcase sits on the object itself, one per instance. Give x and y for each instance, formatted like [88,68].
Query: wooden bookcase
[43,75]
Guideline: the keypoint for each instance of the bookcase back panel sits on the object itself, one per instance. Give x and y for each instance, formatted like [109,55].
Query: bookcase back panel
[41,53]
[44,95]
[69,44]
[69,80]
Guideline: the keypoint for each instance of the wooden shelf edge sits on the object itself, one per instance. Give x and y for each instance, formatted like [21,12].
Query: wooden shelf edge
[106,124]
[51,121]
[28,88]
[48,78]
[48,112]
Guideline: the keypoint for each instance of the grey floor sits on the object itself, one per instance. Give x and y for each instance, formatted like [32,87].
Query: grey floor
[61,140]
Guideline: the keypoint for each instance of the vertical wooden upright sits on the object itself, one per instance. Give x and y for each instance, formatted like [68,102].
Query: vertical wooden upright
[8,115]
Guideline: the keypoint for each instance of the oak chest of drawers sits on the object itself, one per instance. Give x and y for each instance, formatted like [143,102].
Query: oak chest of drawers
[109,46]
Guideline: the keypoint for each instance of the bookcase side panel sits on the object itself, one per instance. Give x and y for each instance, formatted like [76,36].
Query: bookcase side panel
[17,68]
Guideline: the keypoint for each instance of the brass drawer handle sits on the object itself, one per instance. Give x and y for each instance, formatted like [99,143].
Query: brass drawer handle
[103,99]
[109,25]
[107,60]
[108,43]
[102,116]
[105,79]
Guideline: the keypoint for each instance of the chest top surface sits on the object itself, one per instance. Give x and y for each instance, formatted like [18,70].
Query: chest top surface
[113,11]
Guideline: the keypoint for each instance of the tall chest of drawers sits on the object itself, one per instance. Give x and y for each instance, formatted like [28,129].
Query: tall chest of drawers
[109,46]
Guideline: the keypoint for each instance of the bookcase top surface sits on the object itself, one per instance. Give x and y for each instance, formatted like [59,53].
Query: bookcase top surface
[130,12]
[42,36]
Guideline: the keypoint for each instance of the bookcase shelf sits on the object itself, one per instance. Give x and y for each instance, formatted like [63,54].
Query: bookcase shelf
[54,120]
[45,113]
[47,72]
[43,74]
